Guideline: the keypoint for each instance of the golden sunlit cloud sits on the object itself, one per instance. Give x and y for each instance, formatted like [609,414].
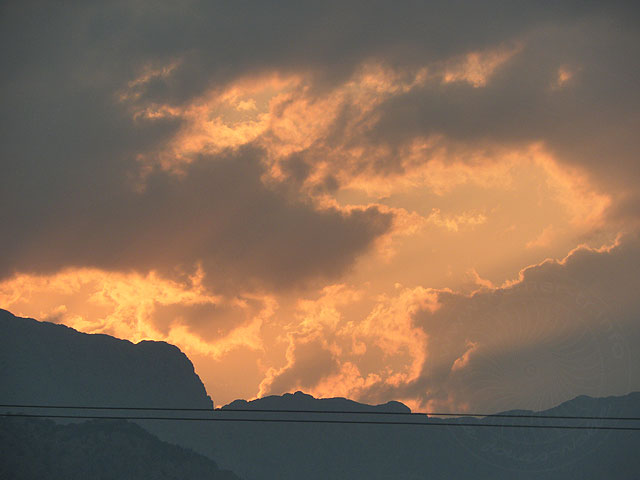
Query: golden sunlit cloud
[277,110]
[126,305]
[574,190]
[375,344]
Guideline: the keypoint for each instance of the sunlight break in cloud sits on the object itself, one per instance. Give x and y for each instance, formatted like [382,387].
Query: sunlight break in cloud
[125,305]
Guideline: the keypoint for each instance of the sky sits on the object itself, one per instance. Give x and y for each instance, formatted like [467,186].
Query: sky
[429,202]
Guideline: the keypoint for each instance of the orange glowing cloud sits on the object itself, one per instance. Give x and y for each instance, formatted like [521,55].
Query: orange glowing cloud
[279,112]
[574,190]
[126,306]
[354,351]
[389,326]
[348,382]
[228,118]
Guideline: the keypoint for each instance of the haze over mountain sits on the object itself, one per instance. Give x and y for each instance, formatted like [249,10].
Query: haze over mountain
[57,364]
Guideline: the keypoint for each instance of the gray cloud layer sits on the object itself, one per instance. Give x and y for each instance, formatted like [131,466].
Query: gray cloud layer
[220,214]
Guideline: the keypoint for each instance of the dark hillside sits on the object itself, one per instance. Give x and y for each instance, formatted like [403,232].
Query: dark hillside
[35,449]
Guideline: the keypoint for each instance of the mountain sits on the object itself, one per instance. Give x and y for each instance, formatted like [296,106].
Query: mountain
[34,449]
[43,362]
[302,401]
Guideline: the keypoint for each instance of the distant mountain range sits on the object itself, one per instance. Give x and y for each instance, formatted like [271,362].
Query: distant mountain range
[52,364]
[471,449]
[302,401]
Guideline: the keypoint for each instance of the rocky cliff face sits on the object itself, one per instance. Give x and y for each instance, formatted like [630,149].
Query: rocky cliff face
[46,363]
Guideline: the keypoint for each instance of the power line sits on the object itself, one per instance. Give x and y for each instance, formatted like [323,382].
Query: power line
[306,420]
[341,412]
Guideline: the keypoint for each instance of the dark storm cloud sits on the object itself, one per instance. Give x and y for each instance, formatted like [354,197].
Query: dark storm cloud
[68,163]
[219,214]
[220,40]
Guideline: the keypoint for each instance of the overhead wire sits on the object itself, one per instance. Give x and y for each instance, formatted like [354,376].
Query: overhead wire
[218,418]
[339,412]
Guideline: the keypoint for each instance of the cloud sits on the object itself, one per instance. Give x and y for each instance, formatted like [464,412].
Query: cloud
[219,215]
[141,307]
[75,194]
[333,352]
[308,362]
[313,352]
[563,329]
[516,105]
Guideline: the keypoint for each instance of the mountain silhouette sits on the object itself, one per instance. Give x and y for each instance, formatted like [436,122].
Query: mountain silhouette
[43,363]
[47,363]
[303,401]
[34,449]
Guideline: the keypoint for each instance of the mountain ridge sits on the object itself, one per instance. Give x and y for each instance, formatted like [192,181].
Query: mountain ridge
[303,401]
[43,360]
